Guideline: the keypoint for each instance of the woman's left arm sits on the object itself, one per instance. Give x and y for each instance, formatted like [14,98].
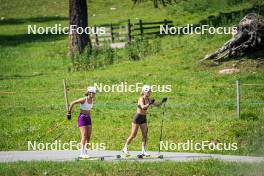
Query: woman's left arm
[157,104]
[164,100]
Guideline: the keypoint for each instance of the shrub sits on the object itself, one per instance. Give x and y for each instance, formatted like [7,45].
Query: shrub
[101,57]
[249,116]
[95,58]
[140,48]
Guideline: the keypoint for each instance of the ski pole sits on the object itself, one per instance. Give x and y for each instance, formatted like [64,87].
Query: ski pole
[161,126]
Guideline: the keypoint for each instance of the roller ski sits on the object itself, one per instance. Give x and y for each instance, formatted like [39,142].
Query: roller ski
[86,157]
[128,157]
[142,155]
[126,154]
[150,156]
[145,155]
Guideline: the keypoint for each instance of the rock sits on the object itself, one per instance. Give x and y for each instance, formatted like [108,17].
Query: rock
[229,71]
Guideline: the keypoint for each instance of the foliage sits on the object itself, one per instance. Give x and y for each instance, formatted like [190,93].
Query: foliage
[190,6]
[104,56]
[141,48]
[95,58]
[156,3]
[205,168]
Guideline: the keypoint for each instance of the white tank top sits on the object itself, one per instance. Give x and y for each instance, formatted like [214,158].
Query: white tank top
[86,106]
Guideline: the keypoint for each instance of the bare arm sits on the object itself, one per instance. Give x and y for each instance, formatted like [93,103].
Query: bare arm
[157,104]
[142,105]
[81,100]
[164,100]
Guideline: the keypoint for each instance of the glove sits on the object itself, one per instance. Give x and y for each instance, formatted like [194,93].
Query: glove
[69,115]
[164,100]
[152,101]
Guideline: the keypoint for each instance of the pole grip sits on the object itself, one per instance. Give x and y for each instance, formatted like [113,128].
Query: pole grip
[66,95]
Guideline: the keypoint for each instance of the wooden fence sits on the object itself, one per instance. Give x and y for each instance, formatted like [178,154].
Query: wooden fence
[128,32]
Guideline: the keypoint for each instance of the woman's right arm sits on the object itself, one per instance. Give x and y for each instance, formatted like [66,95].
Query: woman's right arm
[81,100]
[142,105]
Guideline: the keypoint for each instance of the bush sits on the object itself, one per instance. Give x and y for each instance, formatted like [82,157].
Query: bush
[92,59]
[140,48]
[249,116]
[198,6]
[101,57]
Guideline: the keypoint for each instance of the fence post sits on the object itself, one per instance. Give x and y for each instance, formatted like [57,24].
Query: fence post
[65,94]
[141,28]
[129,37]
[112,33]
[238,98]
[165,23]
[96,37]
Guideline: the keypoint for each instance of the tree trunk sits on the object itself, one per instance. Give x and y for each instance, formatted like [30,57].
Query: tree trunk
[155,2]
[79,17]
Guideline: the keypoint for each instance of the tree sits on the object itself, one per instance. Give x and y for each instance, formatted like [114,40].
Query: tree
[79,17]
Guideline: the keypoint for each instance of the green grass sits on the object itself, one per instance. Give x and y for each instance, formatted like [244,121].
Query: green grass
[210,167]
[33,68]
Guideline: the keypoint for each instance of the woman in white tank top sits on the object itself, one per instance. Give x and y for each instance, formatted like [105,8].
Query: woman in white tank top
[84,118]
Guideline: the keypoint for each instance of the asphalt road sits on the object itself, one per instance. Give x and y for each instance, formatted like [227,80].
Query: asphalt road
[71,155]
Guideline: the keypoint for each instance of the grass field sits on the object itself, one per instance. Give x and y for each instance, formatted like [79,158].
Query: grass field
[206,168]
[201,105]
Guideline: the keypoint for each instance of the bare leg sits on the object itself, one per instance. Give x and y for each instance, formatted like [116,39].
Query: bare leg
[144,130]
[89,133]
[133,134]
[84,136]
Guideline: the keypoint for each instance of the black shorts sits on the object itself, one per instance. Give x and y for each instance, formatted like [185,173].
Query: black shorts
[140,119]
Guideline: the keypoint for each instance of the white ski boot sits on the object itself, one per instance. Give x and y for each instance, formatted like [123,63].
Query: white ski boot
[125,151]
